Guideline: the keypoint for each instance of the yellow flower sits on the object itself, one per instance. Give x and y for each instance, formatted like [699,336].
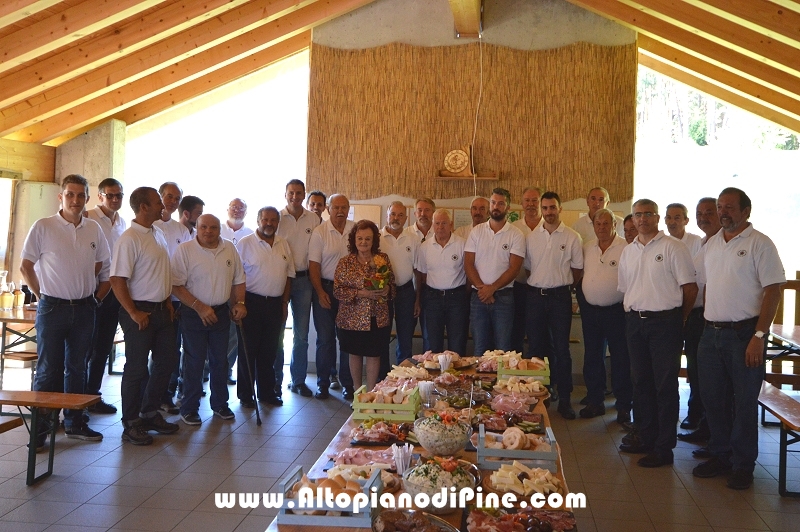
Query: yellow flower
[379,261]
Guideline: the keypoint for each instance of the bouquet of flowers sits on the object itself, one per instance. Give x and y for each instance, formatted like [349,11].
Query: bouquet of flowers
[378,280]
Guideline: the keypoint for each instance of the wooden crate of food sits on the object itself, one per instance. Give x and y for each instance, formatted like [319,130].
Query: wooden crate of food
[340,518]
[542,375]
[387,411]
[543,459]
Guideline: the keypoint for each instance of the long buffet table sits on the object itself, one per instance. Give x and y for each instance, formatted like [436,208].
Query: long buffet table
[342,441]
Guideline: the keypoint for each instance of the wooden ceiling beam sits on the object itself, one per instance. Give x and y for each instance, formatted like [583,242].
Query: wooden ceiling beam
[65,27]
[144,62]
[201,85]
[467,17]
[724,78]
[12,11]
[720,93]
[723,32]
[186,71]
[126,38]
[760,15]
[693,44]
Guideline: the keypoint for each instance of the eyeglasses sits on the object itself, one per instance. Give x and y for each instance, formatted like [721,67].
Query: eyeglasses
[113,196]
[647,214]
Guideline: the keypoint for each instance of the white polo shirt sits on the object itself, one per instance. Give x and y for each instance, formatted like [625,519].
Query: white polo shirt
[298,234]
[175,234]
[444,266]
[64,256]
[520,224]
[414,231]
[741,268]
[583,226]
[697,260]
[266,267]
[550,257]
[493,250]
[227,233]
[651,276]
[600,272]
[402,254]
[327,246]
[208,274]
[463,231]
[112,229]
[693,242]
[141,256]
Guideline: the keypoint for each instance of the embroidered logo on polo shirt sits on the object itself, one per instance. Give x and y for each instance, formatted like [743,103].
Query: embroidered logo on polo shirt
[659,258]
[742,252]
[284,258]
[408,249]
[505,247]
[93,245]
[563,247]
[177,240]
[308,230]
[613,263]
[454,257]
[228,263]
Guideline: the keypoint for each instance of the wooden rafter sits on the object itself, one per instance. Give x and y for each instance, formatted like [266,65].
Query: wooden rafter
[65,27]
[126,38]
[13,10]
[761,15]
[723,32]
[142,63]
[185,71]
[692,43]
[718,92]
[722,77]
[467,16]
[201,85]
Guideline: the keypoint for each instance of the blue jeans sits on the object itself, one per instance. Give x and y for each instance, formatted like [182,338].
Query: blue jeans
[692,331]
[654,345]
[520,301]
[201,342]
[142,390]
[548,321]
[175,373]
[64,337]
[447,309]
[402,311]
[601,325]
[105,328]
[233,348]
[325,323]
[492,323]
[721,363]
[301,318]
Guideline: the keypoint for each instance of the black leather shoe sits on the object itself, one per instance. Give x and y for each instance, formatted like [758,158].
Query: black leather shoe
[231,382]
[712,468]
[301,389]
[591,411]
[566,411]
[624,419]
[635,448]
[690,423]
[655,459]
[247,404]
[322,393]
[702,452]
[632,438]
[697,436]
[740,479]
[347,393]
[585,400]
[553,394]
[274,401]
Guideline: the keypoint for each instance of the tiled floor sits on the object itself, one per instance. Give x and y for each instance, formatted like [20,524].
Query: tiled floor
[170,485]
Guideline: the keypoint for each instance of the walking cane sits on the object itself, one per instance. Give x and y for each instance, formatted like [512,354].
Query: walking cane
[250,374]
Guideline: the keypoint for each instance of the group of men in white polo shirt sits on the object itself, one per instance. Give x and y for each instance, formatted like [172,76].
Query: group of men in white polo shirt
[638,298]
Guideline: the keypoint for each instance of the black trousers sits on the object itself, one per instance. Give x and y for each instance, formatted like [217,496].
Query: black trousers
[261,339]
[106,318]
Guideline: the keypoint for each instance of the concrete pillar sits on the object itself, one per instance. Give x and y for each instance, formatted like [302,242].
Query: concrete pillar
[97,154]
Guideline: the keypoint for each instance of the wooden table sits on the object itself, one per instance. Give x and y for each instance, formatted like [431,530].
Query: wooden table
[53,402]
[342,441]
[10,319]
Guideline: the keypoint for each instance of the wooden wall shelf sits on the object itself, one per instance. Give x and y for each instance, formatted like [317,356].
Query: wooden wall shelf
[468,178]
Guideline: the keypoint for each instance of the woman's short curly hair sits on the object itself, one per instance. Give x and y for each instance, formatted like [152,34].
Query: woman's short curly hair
[364,224]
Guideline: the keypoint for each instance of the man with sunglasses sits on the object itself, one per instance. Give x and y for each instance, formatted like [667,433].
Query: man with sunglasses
[105,213]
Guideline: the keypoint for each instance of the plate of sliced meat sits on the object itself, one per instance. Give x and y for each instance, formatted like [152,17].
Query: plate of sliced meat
[405,520]
[528,520]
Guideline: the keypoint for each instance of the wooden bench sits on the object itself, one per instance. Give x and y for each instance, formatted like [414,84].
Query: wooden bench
[50,404]
[787,410]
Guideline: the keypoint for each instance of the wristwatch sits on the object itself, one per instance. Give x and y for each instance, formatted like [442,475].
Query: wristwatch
[759,334]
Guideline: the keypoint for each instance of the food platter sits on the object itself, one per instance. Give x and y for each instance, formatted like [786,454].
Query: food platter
[437,522]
